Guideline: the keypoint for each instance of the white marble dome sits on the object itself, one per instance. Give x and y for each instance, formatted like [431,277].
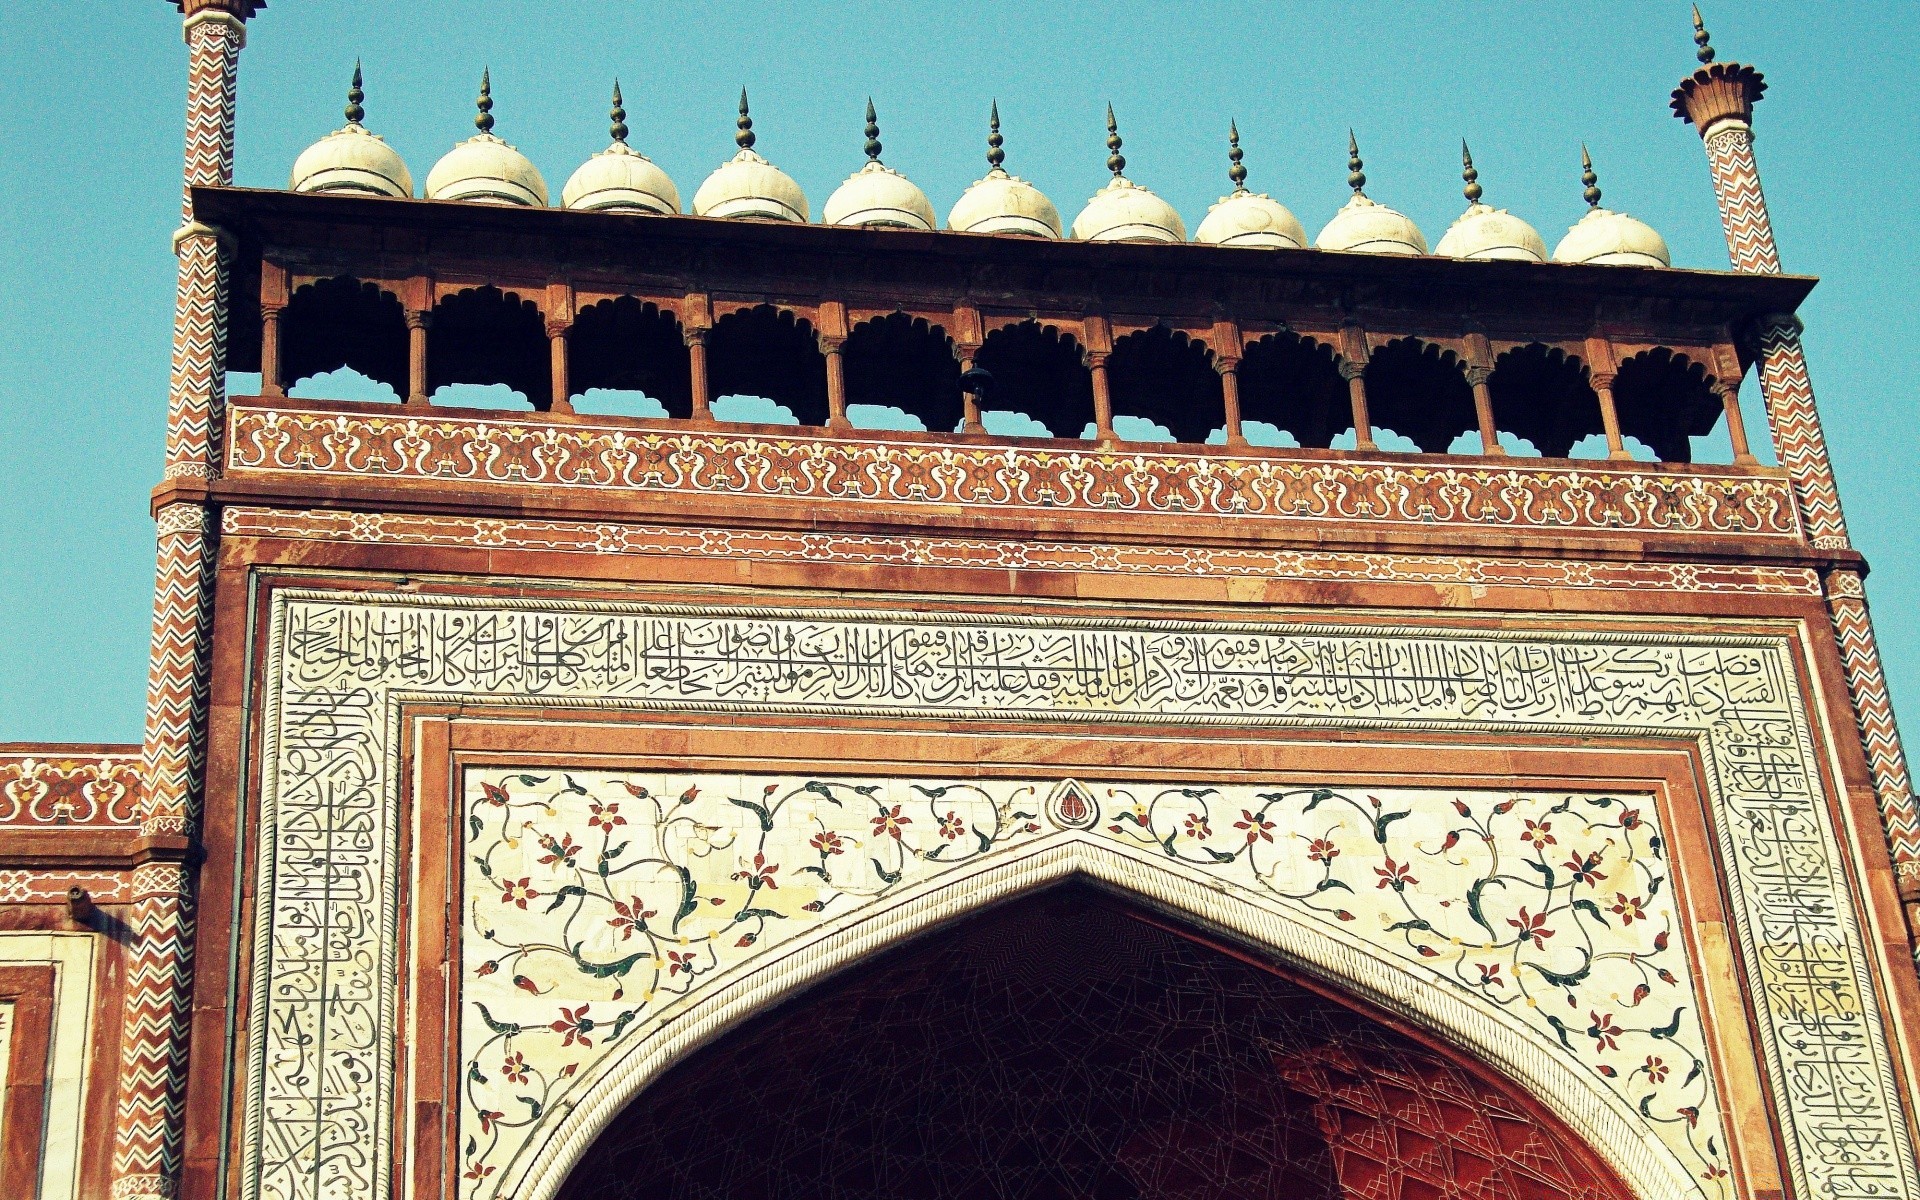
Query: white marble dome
[352,160]
[621,179]
[1369,228]
[877,195]
[1251,219]
[1003,203]
[1485,232]
[1123,211]
[489,171]
[749,187]
[485,170]
[1615,239]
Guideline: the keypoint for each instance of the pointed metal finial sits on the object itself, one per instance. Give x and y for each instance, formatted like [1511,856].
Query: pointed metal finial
[1700,38]
[1470,173]
[1588,180]
[618,115]
[484,119]
[1356,178]
[873,133]
[1116,162]
[995,155]
[1236,172]
[355,113]
[744,139]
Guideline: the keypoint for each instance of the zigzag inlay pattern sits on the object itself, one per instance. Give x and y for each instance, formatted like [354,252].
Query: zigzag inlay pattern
[1743,206]
[1873,709]
[154,1041]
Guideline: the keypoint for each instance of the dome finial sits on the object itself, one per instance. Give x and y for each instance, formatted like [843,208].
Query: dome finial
[1356,177]
[484,118]
[1470,173]
[1116,162]
[1588,179]
[744,139]
[995,155]
[873,133]
[618,115]
[1236,172]
[355,113]
[1700,38]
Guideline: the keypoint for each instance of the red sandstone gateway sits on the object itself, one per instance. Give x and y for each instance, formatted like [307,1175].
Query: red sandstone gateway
[1075,795]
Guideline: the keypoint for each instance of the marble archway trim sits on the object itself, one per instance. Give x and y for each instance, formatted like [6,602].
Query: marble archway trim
[319,1089]
[1603,1120]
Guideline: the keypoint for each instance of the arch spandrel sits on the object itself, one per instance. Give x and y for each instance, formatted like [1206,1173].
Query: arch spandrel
[726,894]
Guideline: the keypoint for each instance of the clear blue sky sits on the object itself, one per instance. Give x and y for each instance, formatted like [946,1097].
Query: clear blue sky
[93,99]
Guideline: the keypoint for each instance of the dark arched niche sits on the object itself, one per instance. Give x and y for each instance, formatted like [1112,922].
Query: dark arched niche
[484,335]
[1163,376]
[1664,399]
[1542,396]
[626,345]
[1040,373]
[767,351]
[904,363]
[1069,1045]
[343,322]
[1419,391]
[1294,383]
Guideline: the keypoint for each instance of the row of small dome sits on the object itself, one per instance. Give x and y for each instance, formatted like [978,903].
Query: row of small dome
[486,169]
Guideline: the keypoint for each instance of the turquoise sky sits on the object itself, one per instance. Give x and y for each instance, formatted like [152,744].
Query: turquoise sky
[93,97]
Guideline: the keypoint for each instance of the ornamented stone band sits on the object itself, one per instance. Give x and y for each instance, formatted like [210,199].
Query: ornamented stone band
[63,788]
[482,450]
[1030,554]
[321,1087]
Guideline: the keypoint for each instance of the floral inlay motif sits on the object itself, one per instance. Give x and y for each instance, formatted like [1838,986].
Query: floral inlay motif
[595,900]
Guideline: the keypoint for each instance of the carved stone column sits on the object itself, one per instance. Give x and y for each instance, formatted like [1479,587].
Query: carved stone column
[271,383]
[697,385]
[836,383]
[562,401]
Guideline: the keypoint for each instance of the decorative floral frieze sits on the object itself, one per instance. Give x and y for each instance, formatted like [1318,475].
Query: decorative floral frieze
[989,476]
[595,900]
[68,789]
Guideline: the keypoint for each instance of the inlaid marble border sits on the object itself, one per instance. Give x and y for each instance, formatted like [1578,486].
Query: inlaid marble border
[341,664]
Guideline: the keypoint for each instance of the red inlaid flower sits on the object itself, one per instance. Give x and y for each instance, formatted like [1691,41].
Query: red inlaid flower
[1395,875]
[604,816]
[631,919]
[517,892]
[560,850]
[829,842]
[761,876]
[952,827]
[515,1068]
[1258,828]
[1586,869]
[1197,826]
[1540,834]
[575,1023]
[889,823]
[1322,850]
[1656,1069]
[678,962]
[1605,1034]
[1532,927]
[1630,908]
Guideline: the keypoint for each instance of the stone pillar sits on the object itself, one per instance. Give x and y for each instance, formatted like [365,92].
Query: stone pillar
[697,387]
[1229,369]
[562,401]
[1356,376]
[1477,379]
[836,384]
[149,1126]
[1102,399]
[1717,100]
[417,322]
[270,381]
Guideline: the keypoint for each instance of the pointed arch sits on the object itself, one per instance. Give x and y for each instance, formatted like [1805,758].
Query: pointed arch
[1665,398]
[1164,376]
[485,336]
[344,322]
[1607,1126]
[770,352]
[1040,372]
[1419,390]
[905,363]
[625,344]
[1541,394]
[1294,383]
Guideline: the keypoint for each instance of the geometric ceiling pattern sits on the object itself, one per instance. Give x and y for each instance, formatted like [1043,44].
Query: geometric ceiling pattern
[1063,1045]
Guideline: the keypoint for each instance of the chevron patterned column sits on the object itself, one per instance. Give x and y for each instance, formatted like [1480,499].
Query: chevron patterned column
[1718,99]
[150,1125]
[146,1159]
